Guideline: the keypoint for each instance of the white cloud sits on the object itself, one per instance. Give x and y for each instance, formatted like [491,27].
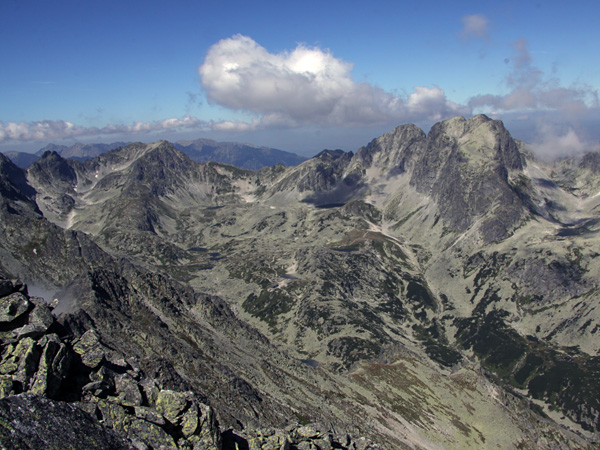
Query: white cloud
[433,103]
[229,125]
[529,89]
[475,26]
[60,129]
[306,86]
[552,144]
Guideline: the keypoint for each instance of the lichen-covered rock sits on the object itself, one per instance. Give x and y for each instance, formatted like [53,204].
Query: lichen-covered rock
[90,349]
[209,433]
[12,307]
[269,440]
[306,437]
[150,390]
[39,321]
[149,415]
[102,382]
[172,404]
[190,421]
[128,391]
[27,355]
[114,416]
[151,434]
[308,432]
[53,367]
[6,385]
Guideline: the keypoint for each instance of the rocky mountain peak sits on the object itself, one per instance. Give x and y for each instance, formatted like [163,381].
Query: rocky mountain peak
[479,139]
[332,154]
[53,169]
[14,186]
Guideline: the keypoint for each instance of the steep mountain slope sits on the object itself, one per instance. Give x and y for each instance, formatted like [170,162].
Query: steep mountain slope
[427,286]
[21,159]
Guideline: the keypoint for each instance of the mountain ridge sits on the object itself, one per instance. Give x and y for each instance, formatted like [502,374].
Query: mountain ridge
[240,155]
[419,269]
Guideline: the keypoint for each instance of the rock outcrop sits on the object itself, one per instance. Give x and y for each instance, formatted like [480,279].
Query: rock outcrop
[110,401]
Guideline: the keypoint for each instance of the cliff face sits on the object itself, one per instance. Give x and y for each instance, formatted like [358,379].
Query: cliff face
[368,294]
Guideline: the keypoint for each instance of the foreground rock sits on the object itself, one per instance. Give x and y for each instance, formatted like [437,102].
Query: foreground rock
[112,404]
[36,422]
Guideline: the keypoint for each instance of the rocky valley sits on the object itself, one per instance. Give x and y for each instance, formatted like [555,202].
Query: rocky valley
[429,291]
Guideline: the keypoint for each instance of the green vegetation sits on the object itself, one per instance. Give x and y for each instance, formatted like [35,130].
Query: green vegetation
[568,379]
[436,344]
[497,345]
[353,349]
[268,305]
[419,294]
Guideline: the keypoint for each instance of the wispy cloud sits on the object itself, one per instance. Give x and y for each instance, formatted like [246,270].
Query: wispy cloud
[59,129]
[306,86]
[475,26]
[530,89]
[552,143]
[556,114]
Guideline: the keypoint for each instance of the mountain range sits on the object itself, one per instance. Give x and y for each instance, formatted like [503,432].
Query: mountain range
[200,150]
[430,290]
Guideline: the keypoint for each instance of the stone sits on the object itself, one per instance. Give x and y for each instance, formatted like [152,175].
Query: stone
[53,303]
[209,427]
[114,416]
[149,415]
[308,432]
[6,287]
[6,385]
[102,382]
[306,445]
[150,434]
[362,444]
[323,444]
[9,363]
[46,381]
[150,390]
[172,404]
[118,363]
[39,321]
[90,349]
[139,445]
[35,422]
[128,391]
[202,443]
[190,421]
[27,355]
[12,307]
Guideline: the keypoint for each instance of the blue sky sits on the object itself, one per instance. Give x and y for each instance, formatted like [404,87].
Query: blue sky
[300,76]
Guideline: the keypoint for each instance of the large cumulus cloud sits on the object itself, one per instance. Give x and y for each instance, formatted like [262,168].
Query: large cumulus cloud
[306,86]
